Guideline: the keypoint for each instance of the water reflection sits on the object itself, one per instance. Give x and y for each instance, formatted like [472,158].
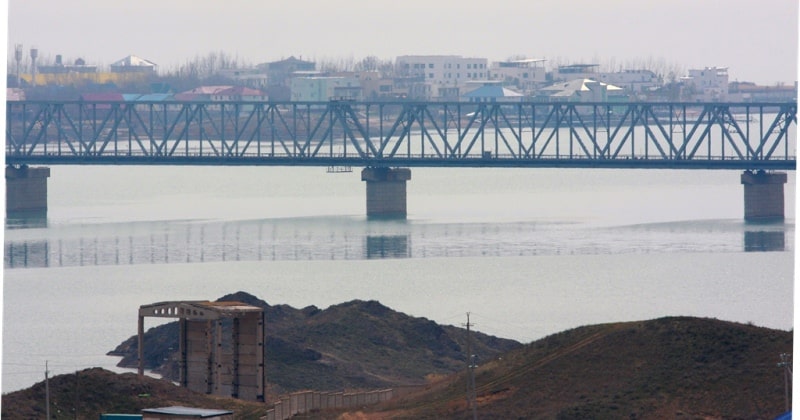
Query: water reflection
[342,238]
[387,246]
[27,254]
[762,241]
[26,219]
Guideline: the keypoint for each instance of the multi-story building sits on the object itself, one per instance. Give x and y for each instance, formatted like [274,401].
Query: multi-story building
[373,85]
[279,75]
[442,76]
[526,75]
[707,85]
[316,89]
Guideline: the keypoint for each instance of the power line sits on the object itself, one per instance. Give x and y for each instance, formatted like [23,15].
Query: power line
[787,376]
[471,392]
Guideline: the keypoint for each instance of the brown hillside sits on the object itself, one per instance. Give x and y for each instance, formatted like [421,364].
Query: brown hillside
[664,368]
[675,367]
[91,392]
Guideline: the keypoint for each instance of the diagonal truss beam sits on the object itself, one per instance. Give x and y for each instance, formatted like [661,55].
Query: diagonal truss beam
[414,133]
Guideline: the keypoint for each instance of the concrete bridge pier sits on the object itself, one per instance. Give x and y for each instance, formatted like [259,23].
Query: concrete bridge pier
[763,196]
[26,191]
[386,192]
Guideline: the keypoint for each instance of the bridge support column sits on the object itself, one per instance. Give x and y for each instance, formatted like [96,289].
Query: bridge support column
[386,192]
[26,191]
[763,195]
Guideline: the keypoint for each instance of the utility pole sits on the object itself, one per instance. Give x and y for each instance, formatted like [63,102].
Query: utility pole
[471,392]
[787,373]
[46,390]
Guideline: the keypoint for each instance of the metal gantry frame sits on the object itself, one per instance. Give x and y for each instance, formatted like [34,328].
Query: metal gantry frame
[346,133]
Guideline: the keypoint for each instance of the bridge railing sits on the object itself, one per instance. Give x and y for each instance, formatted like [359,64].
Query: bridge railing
[759,135]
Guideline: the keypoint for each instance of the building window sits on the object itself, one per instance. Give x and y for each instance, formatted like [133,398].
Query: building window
[468,66]
[430,75]
[430,65]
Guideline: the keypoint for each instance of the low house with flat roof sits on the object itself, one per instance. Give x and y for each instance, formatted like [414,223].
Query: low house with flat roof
[493,92]
[179,412]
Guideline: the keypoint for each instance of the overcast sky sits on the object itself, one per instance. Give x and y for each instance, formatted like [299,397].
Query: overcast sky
[756,39]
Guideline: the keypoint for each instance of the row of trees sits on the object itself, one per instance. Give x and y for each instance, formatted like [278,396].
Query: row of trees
[202,67]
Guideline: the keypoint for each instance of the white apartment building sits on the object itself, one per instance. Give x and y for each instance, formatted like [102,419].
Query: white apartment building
[707,85]
[526,74]
[441,75]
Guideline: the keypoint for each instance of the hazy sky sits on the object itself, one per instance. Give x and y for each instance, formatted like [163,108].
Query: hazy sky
[756,39]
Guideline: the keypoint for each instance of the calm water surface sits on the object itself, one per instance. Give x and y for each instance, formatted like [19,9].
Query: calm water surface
[527,252]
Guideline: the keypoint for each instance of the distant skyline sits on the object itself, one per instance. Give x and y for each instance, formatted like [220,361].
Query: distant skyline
[756,40]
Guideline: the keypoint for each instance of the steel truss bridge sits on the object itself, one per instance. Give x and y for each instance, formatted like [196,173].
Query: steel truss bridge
[410,134]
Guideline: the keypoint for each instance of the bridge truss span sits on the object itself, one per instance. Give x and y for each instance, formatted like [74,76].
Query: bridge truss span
[346,133]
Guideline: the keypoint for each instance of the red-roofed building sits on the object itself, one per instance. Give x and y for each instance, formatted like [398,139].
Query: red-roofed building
[222,94]
[102,97]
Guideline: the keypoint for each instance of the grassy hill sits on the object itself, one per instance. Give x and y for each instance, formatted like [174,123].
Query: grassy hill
[665,368]
[675,367]
[91,392]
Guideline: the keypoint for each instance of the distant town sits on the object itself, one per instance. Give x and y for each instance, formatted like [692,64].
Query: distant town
[217,77]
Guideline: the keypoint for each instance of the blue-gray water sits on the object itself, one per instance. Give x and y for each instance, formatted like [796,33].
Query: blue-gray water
[528,252]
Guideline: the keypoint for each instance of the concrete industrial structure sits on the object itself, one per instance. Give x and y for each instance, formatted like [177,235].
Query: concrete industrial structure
[221,346]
